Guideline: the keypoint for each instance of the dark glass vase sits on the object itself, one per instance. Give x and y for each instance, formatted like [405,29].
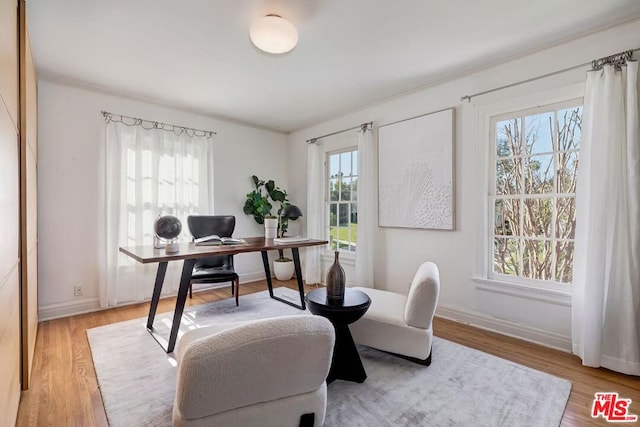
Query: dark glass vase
[335,281]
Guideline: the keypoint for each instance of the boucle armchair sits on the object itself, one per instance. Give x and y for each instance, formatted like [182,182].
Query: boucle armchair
[401,324]
[268,372]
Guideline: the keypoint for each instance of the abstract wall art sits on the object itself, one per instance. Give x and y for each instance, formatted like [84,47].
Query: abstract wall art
[416,172]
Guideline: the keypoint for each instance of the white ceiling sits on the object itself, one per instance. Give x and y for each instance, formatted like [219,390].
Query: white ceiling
[196,54]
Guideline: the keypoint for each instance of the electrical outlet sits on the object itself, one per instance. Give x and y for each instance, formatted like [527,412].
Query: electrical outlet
[78,290]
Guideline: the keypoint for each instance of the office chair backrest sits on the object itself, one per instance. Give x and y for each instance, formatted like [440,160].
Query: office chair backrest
[206,225]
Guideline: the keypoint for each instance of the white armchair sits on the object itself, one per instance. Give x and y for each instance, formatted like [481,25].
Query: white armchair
[268,372]
[401,324]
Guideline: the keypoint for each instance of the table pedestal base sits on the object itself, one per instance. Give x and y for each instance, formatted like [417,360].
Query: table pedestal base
[346,364]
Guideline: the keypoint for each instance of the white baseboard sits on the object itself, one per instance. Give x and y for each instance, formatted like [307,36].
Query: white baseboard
[66,309]
[88,305]
[527,333]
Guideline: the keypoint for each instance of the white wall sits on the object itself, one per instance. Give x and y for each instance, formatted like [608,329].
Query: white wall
[70,133]
[539,316]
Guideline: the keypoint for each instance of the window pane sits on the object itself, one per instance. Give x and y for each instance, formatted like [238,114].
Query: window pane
[510,209]
[354,189]
[539,173]
[506,258]
[569,128]
[354,213]
[506,178]
[537,217]
[506,217]
[334,190]
[567,171]
[343,238]
[131,163]
[539,133]
[131,192]
[333,215]
[566,218]
[345,187]
[345,163]
[333,238]
[536,263]
[508,141]
[564,262]
[343,215]
[334,166]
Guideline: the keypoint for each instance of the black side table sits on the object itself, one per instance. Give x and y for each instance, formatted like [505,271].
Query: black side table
[346,363]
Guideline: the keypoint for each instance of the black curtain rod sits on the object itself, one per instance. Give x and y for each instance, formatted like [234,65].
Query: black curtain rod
[362,126]
[150,124]
[594,64]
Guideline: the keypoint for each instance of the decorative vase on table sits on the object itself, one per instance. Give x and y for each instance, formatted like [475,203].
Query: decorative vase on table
[270,228]
[335,281]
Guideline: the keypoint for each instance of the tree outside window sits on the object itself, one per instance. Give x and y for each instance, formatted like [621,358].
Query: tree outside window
[533,200]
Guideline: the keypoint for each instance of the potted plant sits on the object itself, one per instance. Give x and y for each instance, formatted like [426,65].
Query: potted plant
[260,203]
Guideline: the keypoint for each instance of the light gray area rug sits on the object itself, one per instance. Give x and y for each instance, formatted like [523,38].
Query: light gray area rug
[462,387]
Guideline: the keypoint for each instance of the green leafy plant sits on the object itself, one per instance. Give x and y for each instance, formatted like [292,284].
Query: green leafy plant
[262,200]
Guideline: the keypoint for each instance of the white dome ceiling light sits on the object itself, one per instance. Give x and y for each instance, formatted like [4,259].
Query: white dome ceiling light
[273,34]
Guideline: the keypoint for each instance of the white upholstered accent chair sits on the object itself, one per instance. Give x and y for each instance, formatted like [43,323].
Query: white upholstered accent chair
[398,324]
[268,372]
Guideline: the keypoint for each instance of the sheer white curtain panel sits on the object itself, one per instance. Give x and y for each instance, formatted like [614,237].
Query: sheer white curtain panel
[148,173]
[315,211]
[606,278]
[367,209]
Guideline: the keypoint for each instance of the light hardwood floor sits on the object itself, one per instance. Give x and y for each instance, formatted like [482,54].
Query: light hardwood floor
[64,390]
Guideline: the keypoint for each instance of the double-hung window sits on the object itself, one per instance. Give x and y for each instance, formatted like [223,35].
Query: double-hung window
[149,172]
[532,201]
[342,199]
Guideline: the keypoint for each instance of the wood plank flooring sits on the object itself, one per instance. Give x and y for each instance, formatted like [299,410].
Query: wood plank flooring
[64,389]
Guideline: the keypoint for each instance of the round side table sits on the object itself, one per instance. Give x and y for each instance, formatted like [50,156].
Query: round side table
[346,364]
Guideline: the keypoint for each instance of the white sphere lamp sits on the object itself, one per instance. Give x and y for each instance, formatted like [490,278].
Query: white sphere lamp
[273,34]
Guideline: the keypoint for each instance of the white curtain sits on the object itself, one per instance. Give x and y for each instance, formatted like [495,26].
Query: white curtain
[315,212]
[606,279]
[148,172]
[367,208]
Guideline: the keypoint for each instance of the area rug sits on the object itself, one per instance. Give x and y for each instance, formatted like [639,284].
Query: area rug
[462,387]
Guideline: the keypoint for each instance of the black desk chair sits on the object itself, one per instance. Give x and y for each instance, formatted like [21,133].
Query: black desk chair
[215,269]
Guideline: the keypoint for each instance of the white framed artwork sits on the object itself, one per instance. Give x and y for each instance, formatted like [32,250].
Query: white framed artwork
[416,171]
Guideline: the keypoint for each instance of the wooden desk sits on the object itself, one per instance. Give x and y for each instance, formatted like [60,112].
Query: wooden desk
[189,253]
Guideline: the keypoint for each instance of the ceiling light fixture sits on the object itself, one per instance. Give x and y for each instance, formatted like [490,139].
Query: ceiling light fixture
[273,34]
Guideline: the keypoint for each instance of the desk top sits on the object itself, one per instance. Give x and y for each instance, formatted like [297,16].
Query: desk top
[148,254]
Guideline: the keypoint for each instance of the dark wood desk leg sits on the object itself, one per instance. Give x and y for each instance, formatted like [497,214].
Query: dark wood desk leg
[296,264]
[157,288]
[267,272]
[187,270]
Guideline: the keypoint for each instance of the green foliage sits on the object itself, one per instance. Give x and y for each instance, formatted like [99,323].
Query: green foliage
[261,201]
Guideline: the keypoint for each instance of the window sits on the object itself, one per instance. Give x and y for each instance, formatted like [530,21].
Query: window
[342,196]
[148,172]
[532,202]
[160,183]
